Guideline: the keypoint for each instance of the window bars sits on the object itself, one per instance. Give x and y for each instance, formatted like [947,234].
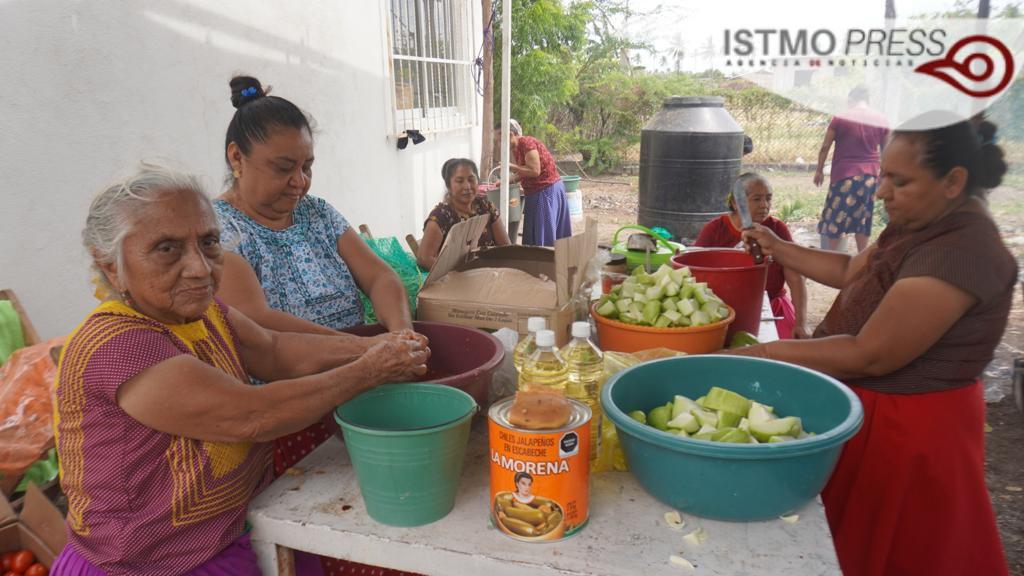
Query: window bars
[431,65]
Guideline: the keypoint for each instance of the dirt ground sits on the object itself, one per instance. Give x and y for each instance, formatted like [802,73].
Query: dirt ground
[612,200]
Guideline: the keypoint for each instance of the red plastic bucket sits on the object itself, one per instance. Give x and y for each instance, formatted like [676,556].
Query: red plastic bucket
[463,357]
[733,276]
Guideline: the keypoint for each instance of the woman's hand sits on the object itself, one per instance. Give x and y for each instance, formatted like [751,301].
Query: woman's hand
[801,333]
[765,237]
[409,335]
[400,357]
[819,177]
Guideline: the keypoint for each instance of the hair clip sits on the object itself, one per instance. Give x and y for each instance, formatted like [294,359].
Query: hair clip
[250,91]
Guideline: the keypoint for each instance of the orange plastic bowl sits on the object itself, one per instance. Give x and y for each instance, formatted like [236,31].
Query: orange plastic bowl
[622,337]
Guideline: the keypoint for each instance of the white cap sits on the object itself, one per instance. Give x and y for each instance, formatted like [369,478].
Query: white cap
[536,323]
[545,338]
[581,329]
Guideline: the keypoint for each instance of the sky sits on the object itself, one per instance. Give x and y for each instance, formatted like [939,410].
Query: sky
[671,23]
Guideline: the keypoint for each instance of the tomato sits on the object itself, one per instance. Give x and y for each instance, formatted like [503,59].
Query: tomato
[36,569]
[6,559]
[22,560]
[10,573]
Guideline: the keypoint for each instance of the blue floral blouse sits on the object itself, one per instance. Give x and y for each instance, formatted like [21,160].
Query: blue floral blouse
[299,267]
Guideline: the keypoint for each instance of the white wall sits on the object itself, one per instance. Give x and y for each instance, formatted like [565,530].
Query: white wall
[91,87]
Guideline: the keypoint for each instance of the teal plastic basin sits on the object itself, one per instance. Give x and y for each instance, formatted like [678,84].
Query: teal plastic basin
[407,443]
[739,482]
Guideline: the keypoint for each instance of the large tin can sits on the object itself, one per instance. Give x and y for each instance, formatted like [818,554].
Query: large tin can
[540,479]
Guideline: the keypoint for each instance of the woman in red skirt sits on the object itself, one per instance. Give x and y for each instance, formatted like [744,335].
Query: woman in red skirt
[724,232]
[917,319]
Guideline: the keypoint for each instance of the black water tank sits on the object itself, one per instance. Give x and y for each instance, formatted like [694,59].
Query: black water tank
[689,155]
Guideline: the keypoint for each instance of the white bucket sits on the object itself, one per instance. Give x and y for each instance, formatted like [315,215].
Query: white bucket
[575,200]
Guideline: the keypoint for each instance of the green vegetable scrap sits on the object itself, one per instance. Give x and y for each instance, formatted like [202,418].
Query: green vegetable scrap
[723,416]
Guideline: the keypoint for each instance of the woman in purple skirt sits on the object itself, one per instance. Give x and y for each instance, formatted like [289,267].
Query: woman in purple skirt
[546,209]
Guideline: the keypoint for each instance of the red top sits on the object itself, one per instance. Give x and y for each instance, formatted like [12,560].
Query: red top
[548,170]
[721,233]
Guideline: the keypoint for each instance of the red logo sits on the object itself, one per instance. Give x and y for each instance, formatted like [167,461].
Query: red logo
[961,57]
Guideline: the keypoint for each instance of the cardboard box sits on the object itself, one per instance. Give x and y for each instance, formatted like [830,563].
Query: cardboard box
[39,528]
[565,264]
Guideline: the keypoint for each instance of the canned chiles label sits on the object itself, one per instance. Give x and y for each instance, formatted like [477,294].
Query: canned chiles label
[539,478]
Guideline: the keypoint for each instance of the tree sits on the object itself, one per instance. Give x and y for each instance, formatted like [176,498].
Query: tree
[546,38]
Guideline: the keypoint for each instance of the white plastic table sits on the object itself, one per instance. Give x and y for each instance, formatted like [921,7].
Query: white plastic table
[321,511]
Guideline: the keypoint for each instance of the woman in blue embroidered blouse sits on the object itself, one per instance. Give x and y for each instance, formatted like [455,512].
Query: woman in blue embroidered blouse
[297,248]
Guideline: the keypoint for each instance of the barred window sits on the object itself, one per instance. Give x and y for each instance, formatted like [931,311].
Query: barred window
[431,65]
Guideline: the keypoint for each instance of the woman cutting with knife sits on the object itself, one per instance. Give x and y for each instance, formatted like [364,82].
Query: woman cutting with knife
[724,232]
[918,317]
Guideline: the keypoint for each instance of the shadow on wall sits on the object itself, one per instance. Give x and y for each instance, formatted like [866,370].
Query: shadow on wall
[92,87]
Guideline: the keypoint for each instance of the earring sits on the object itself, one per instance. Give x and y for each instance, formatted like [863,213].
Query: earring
[236,174]
[126,297]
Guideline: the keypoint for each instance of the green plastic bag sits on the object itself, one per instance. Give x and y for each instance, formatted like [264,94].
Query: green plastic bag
[11,336]
[42,471]
[403,263]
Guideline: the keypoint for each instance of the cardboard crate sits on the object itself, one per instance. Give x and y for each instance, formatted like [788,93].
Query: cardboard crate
[565,264]
[39,527]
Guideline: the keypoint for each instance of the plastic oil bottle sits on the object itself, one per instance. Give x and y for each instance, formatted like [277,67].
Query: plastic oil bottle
[586,369]
[528,344]
[545,367]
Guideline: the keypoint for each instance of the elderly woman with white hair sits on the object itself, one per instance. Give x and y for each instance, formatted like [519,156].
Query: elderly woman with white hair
[546,208]
[162,439]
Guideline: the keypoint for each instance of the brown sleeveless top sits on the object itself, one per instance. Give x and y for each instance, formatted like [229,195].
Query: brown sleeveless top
[963,249]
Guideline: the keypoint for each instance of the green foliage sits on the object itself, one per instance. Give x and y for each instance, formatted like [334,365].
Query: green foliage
[791,210]
[546,38]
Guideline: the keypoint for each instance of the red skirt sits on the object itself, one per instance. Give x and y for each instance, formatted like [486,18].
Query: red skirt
[288,451]
[908,495]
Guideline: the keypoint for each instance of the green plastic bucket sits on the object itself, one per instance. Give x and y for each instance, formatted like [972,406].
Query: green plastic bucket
[572,183]
[407,443]
[664,252]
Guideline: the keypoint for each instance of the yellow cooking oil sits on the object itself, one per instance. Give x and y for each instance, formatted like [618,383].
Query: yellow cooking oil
[545,367]
[586,370]
[524,349]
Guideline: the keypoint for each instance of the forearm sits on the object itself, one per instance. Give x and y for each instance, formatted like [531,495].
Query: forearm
[279,321]
[297,355]
[798,290]
[842,357]
[390,302]
[822,157]
[426,261]
[288,406]
[822,266]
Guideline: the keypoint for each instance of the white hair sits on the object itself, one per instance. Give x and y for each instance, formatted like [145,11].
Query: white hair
[748,178]
[114,211]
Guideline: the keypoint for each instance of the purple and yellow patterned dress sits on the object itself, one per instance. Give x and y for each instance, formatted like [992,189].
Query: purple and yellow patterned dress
[143,502]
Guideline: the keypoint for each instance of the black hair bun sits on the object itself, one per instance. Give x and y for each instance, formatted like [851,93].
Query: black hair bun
[992,166]
[245,89]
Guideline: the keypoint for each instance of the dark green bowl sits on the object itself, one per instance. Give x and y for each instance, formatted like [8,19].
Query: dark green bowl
[740,482]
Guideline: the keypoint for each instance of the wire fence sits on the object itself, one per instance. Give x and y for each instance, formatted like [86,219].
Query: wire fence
[792,136]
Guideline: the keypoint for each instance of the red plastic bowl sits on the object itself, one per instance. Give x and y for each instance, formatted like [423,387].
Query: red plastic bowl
[463,357]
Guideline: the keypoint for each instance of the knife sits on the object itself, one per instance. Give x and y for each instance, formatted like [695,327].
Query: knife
[739,197]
